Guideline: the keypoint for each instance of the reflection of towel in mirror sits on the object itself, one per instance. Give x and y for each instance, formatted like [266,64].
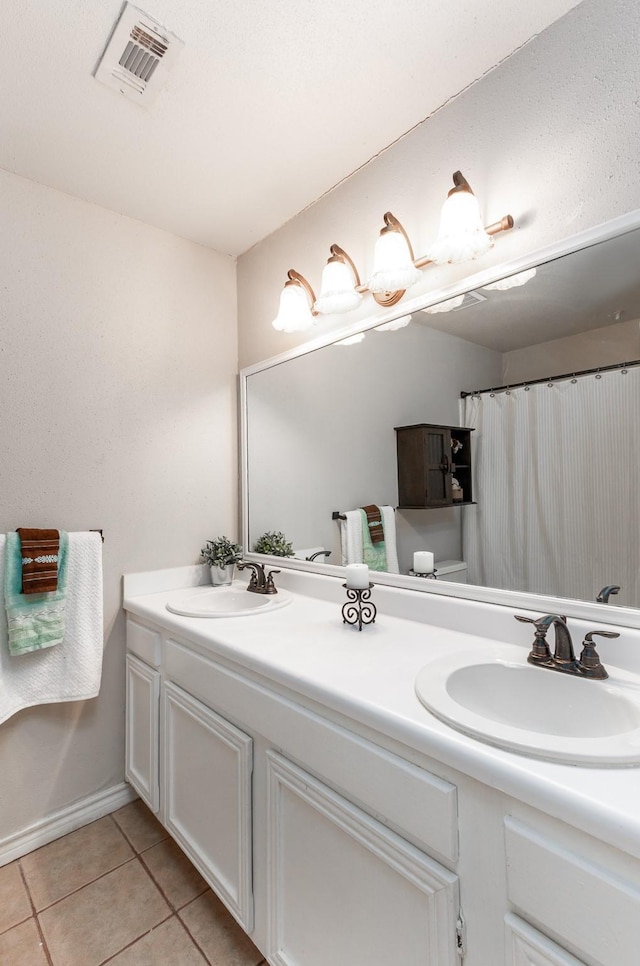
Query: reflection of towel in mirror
[351,538]
[373,554]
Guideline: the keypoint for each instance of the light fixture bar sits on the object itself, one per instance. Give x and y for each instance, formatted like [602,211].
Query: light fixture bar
[505,224]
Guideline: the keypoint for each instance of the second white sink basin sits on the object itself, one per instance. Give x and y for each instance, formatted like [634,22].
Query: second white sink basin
[227,601]
[494,695]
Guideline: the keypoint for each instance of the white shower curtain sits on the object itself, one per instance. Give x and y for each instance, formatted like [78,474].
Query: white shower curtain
[557,485]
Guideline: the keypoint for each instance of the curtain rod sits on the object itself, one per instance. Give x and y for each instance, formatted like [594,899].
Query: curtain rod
[550,379]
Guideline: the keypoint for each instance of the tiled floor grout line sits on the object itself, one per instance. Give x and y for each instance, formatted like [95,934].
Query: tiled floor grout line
[166,898]
[34,915]
[136,940]
[84,885]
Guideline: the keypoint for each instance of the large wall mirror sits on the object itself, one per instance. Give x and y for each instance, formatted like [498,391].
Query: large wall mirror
[556,461]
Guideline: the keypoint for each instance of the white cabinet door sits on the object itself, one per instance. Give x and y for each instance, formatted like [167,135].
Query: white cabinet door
[207,797]
[344,889]
[528,947]
[142,721]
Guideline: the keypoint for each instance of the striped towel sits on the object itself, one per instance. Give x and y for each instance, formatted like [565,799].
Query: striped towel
[40,550]
[34,621]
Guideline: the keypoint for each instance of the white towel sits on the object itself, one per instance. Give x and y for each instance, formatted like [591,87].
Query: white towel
[72,670]
[389,527]
[351,538]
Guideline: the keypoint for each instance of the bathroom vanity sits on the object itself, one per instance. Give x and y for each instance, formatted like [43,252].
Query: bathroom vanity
[338,819]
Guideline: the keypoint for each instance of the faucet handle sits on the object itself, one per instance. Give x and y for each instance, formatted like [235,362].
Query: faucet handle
[271,587]
[589,660]
[540,652]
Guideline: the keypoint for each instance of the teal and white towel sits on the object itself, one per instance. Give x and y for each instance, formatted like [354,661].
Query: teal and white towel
[34,621]
[373,554]
[72,670]
[352,542]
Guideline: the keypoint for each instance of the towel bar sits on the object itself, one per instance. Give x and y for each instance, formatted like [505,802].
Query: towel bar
[336,515]
[98,531]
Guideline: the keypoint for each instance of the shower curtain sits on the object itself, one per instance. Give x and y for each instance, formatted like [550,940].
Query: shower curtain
[557,483]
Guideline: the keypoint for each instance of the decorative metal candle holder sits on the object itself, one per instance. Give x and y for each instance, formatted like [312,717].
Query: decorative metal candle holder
[359,609]
[432,576]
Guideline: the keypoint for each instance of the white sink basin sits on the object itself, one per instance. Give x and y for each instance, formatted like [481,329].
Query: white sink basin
[493,694]
[229,601]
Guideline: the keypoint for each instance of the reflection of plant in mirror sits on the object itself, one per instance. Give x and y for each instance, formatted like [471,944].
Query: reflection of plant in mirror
[274,542]
[221,552]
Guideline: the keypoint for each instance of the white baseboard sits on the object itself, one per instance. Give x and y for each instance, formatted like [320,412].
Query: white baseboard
[65,820]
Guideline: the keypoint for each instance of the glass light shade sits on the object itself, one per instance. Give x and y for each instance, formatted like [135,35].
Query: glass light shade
[294,314]
[337,292]
[462,236]
[351,339]
[513,281]
[394,324]
[393,267]
[446,306]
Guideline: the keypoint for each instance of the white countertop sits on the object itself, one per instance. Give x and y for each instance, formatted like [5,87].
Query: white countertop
[368,677]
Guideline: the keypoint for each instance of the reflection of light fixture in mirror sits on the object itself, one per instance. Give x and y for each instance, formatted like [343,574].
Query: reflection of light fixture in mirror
[394,324]
[351,339]
[393,268]
[511,281]
[462,235]
[296,299]
[339,280]
[446,306]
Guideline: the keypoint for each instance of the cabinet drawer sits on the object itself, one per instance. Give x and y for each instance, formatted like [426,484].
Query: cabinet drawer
[409,799]
[579,901]
[144,642]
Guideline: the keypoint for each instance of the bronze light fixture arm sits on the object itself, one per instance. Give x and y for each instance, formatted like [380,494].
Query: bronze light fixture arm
[295,278]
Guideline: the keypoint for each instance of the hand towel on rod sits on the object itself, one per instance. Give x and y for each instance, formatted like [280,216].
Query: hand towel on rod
[72,670]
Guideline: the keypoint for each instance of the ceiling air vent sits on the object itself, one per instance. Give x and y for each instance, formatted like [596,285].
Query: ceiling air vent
[138,56]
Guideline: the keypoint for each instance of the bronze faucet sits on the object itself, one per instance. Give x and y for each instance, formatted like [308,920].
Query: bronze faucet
[260,583]
[564,659]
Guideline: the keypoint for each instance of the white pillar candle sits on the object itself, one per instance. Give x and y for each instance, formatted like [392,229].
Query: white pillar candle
[423,562]
[357,576]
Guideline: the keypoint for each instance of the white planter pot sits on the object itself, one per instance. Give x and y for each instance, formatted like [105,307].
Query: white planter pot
[221,575]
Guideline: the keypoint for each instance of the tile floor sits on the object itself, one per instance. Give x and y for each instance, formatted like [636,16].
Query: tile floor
[118,891]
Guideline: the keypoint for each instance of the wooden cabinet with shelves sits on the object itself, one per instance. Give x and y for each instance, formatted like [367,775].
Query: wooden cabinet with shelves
[430,457]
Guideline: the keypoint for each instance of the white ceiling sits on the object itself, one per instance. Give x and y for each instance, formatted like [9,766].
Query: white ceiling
[269,105]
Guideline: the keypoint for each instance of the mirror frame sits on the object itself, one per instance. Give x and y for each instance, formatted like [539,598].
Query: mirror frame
[586,610]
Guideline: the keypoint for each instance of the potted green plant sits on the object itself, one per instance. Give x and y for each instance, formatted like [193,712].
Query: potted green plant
[274,542]
[221,555]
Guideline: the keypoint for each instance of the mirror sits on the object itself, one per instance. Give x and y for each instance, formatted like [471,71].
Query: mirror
[556,476]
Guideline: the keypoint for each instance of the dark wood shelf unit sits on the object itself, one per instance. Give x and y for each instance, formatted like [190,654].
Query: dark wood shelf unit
[427,464]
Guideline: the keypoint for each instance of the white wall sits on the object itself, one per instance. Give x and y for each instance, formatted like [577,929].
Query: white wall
[550,136]
[118,357]
[587,350]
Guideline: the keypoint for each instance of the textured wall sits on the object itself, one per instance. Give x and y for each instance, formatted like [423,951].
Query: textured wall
[550,136]
[118,357]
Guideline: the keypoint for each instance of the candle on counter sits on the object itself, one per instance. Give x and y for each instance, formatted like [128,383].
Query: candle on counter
[423,562]
[357,576]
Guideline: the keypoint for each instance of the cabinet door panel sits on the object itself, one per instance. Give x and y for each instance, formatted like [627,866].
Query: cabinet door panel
[141,752]
[344,889]
[207,785]
[528,947]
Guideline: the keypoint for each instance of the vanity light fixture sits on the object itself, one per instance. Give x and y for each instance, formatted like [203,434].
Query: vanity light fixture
[512,281]
[339,291]
[462,235]
[394,270]
[296,312]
